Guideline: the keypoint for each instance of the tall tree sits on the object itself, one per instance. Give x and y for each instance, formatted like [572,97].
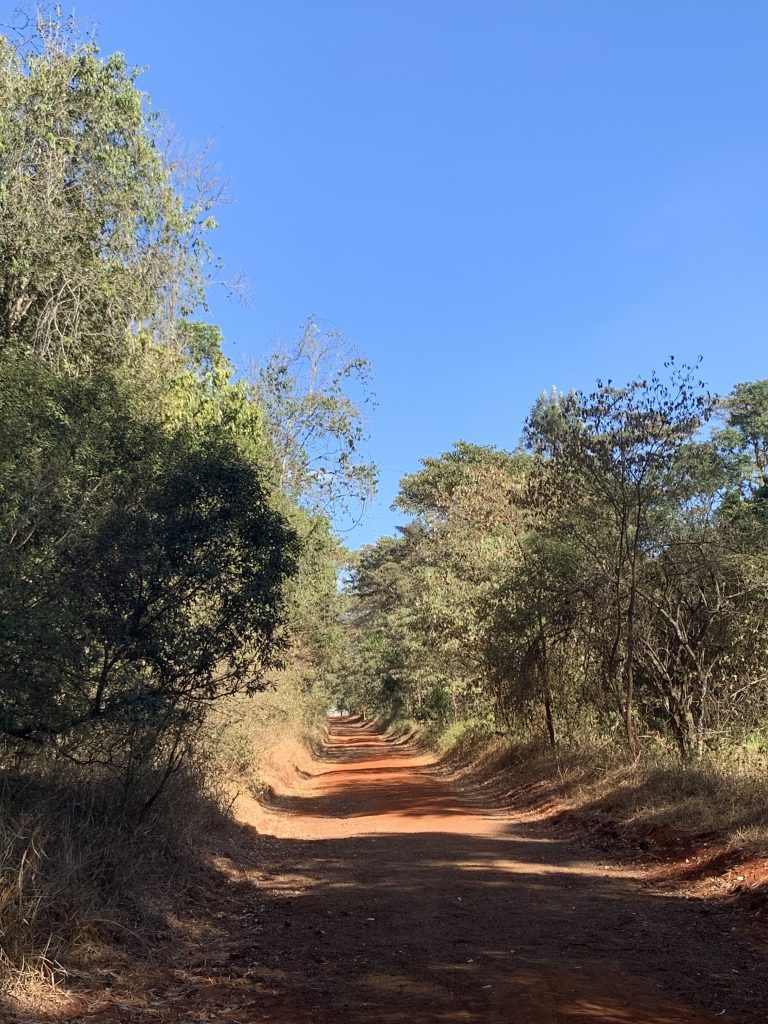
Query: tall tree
[614,451]
[98,248]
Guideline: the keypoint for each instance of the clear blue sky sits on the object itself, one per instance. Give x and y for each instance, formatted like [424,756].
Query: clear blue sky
[489,198]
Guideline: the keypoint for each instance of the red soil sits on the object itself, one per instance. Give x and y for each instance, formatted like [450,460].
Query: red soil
[379,895]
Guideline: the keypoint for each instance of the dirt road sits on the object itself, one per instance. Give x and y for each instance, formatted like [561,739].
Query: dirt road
[383,897]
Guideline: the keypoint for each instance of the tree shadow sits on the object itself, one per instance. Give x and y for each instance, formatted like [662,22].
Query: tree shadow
[347,930]
[415,922]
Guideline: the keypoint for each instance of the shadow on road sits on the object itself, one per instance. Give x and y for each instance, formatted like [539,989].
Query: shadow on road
[410,927]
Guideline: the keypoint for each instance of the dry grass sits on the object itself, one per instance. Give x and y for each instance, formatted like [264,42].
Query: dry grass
[76,874]
[83,881]
[707,797]
[727,795]
[252,741]
[79,875]
[405,730]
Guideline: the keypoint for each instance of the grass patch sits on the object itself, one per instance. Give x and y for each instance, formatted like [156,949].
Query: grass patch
[88,877]
[77,872]
[723,794]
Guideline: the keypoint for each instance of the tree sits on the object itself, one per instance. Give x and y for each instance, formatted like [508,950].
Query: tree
[98,248]
[743,442]
[614,452]
[316,422]
[145,555]
[423,594]
[143,568]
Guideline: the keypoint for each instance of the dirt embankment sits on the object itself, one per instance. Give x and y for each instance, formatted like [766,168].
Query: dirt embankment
[650,817]
[369,888]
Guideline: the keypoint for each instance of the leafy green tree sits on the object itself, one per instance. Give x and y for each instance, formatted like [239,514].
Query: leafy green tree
[531,637]
[743,443]
[424,593]
[315,420]
[145,554]
[98,248]
[614,452]
[143,568]
[386,667]
[701,615]
[611,576]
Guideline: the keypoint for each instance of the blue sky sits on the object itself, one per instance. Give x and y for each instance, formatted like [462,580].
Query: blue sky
[488,198]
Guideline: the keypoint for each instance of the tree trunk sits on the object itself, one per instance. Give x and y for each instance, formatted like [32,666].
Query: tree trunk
[544,671]
[629,672]
[629,718]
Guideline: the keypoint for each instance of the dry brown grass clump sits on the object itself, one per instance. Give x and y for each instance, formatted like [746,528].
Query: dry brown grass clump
[80,870]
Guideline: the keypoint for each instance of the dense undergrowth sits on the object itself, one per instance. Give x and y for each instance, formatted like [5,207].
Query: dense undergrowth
[82,872]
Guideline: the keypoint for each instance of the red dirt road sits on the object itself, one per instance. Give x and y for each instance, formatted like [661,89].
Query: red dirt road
[380,896]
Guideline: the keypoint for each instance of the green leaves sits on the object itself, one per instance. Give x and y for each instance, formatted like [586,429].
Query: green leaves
[96,238]
[142,567]
[145,555]
[612,574]
[425,595]
[312,395]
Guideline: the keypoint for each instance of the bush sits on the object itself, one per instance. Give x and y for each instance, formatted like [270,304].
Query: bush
[77,872]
